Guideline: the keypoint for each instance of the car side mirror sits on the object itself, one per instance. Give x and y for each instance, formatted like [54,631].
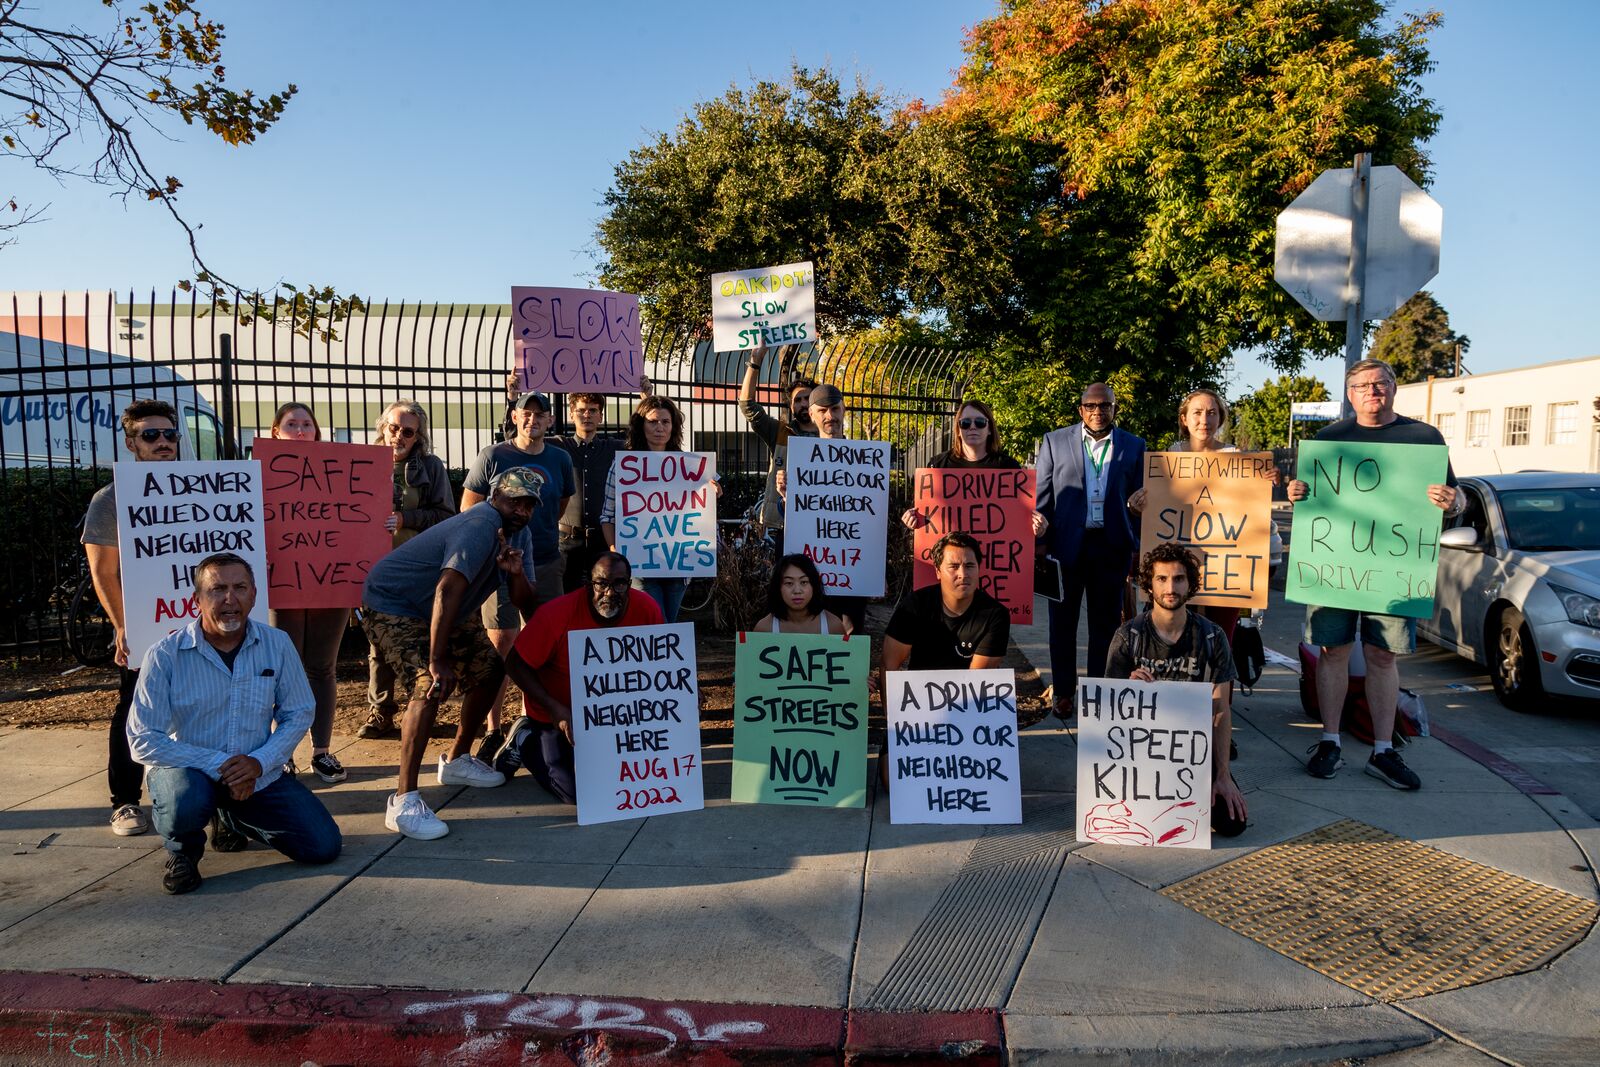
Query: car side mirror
[1463,537]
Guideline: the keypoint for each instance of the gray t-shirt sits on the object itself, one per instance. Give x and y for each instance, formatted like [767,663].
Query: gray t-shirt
[403,582]
[100,521]
[554,467]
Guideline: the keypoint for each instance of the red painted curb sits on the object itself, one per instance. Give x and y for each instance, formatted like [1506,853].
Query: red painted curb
[101,1018]
[1526,783]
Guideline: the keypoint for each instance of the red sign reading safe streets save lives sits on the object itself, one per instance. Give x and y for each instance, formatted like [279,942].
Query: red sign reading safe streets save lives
[325,507]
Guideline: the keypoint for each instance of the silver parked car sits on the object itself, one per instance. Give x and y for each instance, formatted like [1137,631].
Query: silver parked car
[1519,585]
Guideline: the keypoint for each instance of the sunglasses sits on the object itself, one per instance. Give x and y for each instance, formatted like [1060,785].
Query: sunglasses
[1096,407]
[978,423]
[149,436]
[404,431]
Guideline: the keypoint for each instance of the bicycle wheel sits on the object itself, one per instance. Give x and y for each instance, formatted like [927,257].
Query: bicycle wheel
[698,593]
[90,635]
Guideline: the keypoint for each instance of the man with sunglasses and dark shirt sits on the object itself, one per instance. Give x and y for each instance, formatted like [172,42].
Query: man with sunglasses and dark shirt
[150,433]
[1087,471]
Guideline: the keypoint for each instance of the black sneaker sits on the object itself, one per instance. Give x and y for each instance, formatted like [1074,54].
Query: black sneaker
[379,724]
[225,838]
[490,745]
[183,874]
[510,757]
[1325,761]
[328,767]
[1389,768]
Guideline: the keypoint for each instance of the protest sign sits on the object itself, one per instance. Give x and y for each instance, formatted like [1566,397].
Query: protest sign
[171,516]
[1367,536]
[324,506]
[769,306]
[666,513]
[953,747]
[996,508]
[576,340]
[800,720]
[1144,763]
[635,721]
[836,511]
[1220,505]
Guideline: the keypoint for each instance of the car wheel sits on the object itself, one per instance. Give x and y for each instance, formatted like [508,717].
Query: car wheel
[1514,663]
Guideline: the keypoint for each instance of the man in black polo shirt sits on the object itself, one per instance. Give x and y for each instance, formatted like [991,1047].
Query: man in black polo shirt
[950,626]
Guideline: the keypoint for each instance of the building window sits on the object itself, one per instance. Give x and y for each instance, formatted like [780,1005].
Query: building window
[1477,429]
[1517,420]
[1445,422]
[1561,427]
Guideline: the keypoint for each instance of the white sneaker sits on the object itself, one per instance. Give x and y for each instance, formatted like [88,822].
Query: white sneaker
[409,814]
[467,769]
[129,821]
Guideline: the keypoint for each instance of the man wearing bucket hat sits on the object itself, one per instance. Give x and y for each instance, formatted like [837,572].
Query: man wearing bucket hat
[420,611]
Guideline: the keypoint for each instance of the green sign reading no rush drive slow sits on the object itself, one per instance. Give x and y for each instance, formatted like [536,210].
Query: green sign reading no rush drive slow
[1367,538]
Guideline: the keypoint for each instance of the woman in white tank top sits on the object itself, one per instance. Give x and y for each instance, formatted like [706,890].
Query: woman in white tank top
[795,598]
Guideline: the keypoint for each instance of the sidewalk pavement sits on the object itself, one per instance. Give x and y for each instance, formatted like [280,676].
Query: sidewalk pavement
[743,933]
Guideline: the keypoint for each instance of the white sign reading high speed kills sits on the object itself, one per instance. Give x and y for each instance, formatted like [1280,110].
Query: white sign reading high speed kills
[769,306]
[1144,763]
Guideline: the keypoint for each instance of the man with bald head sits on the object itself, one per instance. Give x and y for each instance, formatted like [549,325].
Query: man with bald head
[1087,471]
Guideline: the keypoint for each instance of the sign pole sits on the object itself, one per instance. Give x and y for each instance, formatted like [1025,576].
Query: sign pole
[1360,185]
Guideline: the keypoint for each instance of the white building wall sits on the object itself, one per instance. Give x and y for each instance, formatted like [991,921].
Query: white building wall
[1556,399]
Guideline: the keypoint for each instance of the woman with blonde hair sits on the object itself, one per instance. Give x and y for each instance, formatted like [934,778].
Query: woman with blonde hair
[422,498]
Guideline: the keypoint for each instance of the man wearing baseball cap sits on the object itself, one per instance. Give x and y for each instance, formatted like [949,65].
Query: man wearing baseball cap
[419,608]
[552,468]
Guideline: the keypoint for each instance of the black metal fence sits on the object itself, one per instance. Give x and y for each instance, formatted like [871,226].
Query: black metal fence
[69,363]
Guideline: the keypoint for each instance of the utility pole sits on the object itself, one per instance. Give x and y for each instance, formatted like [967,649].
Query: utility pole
[1354,314]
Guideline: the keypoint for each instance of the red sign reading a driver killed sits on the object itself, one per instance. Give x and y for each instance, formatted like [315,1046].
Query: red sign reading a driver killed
[325,508]
[996,508]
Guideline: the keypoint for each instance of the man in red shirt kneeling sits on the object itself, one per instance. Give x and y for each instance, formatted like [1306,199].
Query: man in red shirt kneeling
[541,740]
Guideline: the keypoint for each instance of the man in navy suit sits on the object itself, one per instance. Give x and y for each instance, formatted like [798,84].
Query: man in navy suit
[1087,471]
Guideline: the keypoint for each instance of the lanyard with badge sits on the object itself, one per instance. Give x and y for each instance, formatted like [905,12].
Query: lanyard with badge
[1097,490]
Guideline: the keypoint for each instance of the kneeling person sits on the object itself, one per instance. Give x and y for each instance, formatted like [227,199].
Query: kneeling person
[1170,643]
[542,739]
[220,706]
[953,625]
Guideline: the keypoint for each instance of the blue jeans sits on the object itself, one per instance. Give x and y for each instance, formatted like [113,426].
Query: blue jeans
[667,592]
[285,815]
[548,757]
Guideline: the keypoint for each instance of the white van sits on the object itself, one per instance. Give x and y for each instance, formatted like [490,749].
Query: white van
[62,391]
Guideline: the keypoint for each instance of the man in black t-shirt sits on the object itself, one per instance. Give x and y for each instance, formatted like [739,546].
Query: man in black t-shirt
[1371,388]
[950,626]
[1170,643]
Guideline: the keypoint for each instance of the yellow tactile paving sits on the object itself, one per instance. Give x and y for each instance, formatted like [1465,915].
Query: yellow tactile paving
[1386,916]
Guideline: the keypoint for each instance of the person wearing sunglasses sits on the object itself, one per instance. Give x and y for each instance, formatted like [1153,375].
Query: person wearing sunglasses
[541,740]
[974,444]
[423,498]
[150,434]
[1087,473]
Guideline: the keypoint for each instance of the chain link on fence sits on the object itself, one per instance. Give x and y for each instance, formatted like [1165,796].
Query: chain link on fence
[69,364]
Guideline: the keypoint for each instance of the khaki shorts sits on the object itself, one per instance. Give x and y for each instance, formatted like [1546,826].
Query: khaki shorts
[402,643]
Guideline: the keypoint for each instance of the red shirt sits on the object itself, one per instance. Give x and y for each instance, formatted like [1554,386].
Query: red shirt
[542,644]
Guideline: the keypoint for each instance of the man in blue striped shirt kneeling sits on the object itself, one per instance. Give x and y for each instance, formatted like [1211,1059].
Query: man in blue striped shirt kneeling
[220,707]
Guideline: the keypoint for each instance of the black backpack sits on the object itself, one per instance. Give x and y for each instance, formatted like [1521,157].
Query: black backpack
[1249,656]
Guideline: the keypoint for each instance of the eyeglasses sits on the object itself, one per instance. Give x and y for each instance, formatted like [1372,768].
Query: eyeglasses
[403,431]
[1105,406]
[616,585]
[150,436]
[1379,386]
[979,423]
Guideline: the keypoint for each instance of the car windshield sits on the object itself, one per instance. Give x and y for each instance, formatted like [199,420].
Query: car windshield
[1552,520]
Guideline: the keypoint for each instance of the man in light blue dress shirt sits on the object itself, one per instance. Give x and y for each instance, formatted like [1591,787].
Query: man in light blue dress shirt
[220,706]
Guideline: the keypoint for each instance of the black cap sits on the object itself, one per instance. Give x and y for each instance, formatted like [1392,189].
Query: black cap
[532,397]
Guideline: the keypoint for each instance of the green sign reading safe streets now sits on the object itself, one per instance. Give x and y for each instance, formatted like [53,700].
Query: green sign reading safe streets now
[1367,538]
[800,720]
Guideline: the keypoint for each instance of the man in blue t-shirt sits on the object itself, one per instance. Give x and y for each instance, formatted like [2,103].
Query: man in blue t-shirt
[552,468]
[420,609]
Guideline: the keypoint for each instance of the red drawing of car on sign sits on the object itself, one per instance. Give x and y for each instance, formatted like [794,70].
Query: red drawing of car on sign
[1113,824]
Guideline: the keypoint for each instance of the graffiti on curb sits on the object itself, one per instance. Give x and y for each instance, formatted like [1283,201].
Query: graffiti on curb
[670,1025]
[96,1039]
[316,1004]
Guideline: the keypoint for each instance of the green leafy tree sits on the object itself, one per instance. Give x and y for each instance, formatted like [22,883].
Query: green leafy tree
[1261,419]
[81,104]
[778,174]
[1417,340]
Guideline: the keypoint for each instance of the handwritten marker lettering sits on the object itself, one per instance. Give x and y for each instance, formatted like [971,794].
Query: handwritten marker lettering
[325,505]
[576,340]
[1144,763]
[953,747]
[666,512]
[837,511]
[996,508]
[1220,505]
[768,306]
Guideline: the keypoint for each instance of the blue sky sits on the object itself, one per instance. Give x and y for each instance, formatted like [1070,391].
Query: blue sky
[447,161]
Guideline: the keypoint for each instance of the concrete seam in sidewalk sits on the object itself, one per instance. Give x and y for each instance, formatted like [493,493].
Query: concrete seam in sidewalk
[861,894]
[79,889]
[578,913]
[1458,1038]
